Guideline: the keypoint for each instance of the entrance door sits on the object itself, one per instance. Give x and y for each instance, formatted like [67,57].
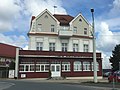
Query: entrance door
[55,70]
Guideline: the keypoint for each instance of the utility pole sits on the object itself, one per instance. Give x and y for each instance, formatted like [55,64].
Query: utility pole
[94,49]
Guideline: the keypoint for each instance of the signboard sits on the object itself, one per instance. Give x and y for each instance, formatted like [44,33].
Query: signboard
[11,73]
[23,75]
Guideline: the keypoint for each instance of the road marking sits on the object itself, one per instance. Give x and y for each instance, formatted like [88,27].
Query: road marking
[5,85]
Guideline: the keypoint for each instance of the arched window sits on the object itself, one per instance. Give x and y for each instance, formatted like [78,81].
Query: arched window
[86,66]
[77,66]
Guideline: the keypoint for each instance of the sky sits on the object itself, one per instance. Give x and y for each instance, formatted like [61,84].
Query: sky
[15,17]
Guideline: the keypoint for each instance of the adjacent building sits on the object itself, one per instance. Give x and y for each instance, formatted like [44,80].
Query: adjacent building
[60,45]
[7,59]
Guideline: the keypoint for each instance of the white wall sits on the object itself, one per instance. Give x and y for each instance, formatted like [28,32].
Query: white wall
[58,41]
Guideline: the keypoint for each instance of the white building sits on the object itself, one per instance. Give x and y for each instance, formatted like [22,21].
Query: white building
[60,33]
[60,44]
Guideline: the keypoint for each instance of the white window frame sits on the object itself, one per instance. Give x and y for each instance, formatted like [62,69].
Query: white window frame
[75,47]
[77,66]
[52,28]
[86,66]
[40,68]
[51,46]
[65,66]
[64,47]
[39,27]
[85,31]
[29,67]
[39,46]
[75,30]
[85,47]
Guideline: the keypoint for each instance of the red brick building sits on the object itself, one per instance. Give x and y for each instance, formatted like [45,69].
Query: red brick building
[36,64]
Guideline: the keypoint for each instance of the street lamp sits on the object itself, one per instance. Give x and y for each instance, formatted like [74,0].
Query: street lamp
[94,49]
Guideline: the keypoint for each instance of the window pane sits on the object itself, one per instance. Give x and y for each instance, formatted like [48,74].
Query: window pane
[65,66]
[37,67]
[51,46]
[85,31]
[75,47]
[27,68]
[31,67]
[39,27]
[52,28]
[77,66]
[42,67]
[74,29]
[53,68]
[21,67]
[46,67]
[86,47]
[86,66]
[57,68]
[39,45]
[64,47]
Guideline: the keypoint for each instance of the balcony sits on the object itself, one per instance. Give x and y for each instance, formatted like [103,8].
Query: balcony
[65,33]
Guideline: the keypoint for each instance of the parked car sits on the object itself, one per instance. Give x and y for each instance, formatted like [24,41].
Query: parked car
[114,77]
[107,74]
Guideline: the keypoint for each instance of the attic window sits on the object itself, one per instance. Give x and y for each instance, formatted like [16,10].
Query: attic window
[80,20]
[46,16]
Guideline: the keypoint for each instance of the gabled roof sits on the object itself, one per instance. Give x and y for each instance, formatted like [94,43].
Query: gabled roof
[63,19]
[48,13]
[80,14]
[7,51]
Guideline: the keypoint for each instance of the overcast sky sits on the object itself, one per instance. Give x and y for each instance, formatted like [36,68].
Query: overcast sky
[15,16]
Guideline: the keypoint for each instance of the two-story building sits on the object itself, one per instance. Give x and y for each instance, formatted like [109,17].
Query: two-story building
[60,45]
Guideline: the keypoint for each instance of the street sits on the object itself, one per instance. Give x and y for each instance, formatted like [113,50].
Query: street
[25,85]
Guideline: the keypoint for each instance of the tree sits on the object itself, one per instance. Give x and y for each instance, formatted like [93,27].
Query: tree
[115,58]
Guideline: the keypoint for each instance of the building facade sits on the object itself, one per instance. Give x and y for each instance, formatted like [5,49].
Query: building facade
[60,45]
[7,59]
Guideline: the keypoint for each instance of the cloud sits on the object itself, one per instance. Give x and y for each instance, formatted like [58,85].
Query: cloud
[36,6]
[114,23]
[15,14]
[19,41]
[26,47]
[106,39]
[105,62]
[8,12]
[115,11]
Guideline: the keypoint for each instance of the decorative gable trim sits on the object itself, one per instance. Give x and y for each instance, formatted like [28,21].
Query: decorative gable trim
[80,14]
[49,14]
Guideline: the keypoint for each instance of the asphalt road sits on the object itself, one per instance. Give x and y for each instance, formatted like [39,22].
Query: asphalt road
[23,85]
